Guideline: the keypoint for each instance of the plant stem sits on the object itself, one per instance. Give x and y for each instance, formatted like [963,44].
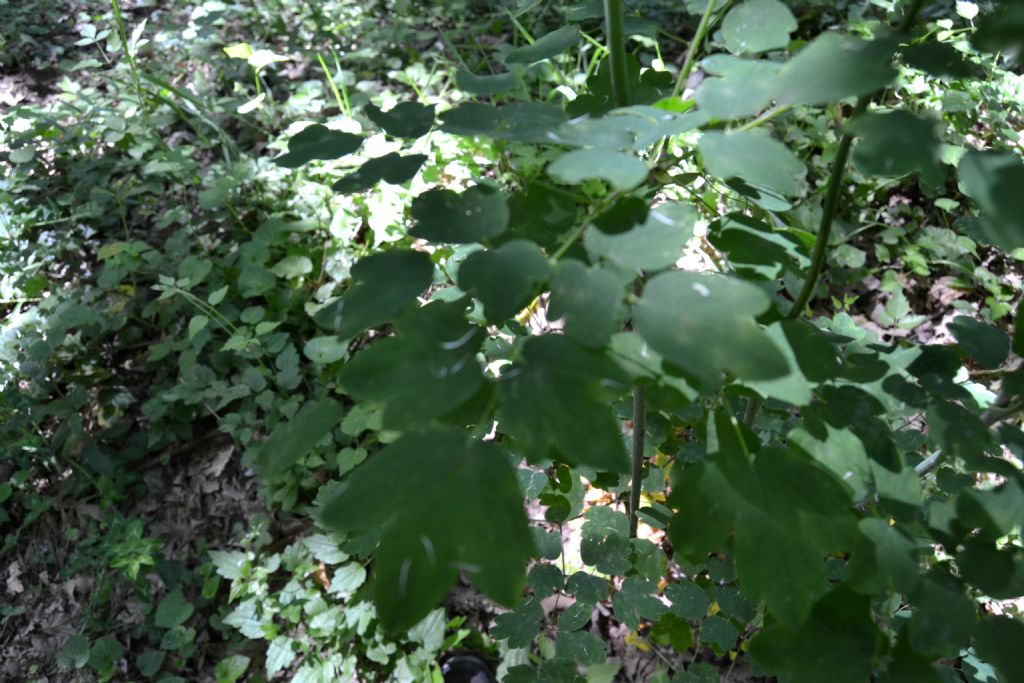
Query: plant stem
[835,180]
[827,215]
[615,28]
[616,35]
[123,32]
[639,427]
[691,52]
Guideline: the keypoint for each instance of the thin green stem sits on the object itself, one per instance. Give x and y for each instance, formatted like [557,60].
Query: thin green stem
[763,118]
[615,30]
[330,83]
[818,256]
[691,52]
[828,213]
[123,32]
[639,428]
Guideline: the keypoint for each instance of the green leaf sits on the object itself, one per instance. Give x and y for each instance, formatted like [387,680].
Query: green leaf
[173,610]
[150,662]
[655,245]
[291,267]
[590,300]
[391,168]
[745,86]
[294,439]
[522,121]
[998,573]
[634,603]
[937,59]
[385,284]
[1001,30]
[545,47]
[943,618]
[621,170]
[324,548]
[521,625]
[280,655]
[229,563]
[75,652]
[999,642]
[753,156]
[689,600]
[441,504]
[404,120]
[758,26]
[604,542]
[428,369]
[475,215]
[897,143]
[836,644]
[674,631]
[545,579]
[985,343]
[718,631]
[104,654]
[317,142]
[792,387]
[993,180]
[884,556]
[757,249]
[834,66]
[680,311]
[505,279]
[491,84]
[586,587]
[556,398]
[230,669]
[585,648]
[325,350]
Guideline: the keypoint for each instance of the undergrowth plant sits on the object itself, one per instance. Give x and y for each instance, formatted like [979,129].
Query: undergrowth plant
[835,506]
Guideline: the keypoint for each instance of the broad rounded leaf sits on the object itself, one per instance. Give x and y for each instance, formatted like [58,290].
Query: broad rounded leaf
[295,438]
[442,504]
[993,180]
[475,215]
[173,610]
[983,342]
[590,300]
[317,142]
[834,66]
[505,279]
[621,170]
[556,398]
[897,143]
[325,350]
[745,86]
[392,168]
[545,47]
[937,59]
[654,245]
[428,369]
[754,156]
[491,84]
[385,283]
[404,120]
[758,26]
[837,643]
[1000,641]
[680,311]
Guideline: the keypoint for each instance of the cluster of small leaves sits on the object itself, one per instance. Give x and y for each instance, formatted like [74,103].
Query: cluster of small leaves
[819,503]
